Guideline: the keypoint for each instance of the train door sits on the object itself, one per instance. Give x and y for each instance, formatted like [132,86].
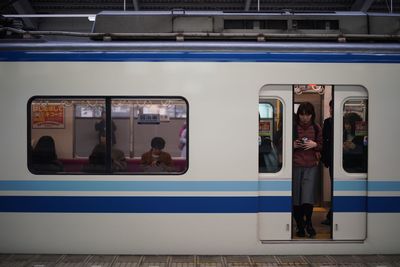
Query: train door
[312,186]
[350,163]
[275,162]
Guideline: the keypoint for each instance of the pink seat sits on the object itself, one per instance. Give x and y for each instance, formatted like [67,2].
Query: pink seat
[134,166]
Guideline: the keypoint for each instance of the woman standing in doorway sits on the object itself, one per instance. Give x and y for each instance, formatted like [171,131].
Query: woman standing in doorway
[307,152]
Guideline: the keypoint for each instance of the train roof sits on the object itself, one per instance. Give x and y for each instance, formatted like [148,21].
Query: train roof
[354,32]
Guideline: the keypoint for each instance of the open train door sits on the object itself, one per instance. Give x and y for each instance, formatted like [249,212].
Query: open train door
[350,163]
[275,162]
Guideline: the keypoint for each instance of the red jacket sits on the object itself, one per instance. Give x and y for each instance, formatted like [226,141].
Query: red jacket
[308,158]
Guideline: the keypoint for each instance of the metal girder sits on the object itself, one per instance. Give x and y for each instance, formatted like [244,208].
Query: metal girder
[247,5]
[25,7]
[362,5]
[135,4]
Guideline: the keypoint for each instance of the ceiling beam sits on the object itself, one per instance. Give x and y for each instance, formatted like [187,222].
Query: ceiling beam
[247,5]
[25,7]
[361,5]
[135,4]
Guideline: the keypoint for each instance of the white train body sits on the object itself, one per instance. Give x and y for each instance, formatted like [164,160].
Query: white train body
[216,206]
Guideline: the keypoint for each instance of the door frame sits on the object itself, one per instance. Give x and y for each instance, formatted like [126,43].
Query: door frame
[275,189]
[349,196]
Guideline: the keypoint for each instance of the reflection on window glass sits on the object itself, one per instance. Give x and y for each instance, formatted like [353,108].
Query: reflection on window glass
[121,111]
[265,110]
[83,110]
[69,135]
[355,136]
[180,111]
[270,136]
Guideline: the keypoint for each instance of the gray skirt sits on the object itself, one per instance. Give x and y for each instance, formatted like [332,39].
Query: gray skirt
[304,183]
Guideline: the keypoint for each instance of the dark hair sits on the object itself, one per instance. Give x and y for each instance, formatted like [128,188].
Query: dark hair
[45,150]
[98,155]
[306,108]
[158,143]
[331,103]
[351,118]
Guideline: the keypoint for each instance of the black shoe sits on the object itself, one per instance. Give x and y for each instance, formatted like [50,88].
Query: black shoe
[300,232]
[326,222]
[310,230]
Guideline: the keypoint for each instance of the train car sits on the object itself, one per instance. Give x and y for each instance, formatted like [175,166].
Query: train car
[149,147]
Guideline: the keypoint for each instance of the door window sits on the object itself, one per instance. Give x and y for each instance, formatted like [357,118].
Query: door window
[269,136]
[355,136]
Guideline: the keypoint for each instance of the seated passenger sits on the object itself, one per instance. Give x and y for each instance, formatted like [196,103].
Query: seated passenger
[119,163]
[97,160]
[44,156]
[157,160]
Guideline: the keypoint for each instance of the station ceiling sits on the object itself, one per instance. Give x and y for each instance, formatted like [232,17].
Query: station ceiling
[95,6]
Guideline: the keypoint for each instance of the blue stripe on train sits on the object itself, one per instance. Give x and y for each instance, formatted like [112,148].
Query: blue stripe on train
[112,204]
[128,204]
[105,56]
[147,186]
[275,204]
[383,204]
[350,204]
[140,186]
[179,186]
[144,204]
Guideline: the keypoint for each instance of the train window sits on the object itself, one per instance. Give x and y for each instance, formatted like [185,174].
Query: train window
[355,135]
[53,131]
[153,134]
[270,136]
[103,135]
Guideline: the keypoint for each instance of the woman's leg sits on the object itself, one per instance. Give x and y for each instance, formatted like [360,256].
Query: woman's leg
[298,213]
[308,197]
[308,210]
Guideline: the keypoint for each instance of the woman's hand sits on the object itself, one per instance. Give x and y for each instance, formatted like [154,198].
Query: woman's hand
[297,144]
[309,144]
[154,163]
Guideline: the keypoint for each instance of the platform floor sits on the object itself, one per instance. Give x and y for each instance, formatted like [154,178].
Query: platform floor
[19,260]
[323,233]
